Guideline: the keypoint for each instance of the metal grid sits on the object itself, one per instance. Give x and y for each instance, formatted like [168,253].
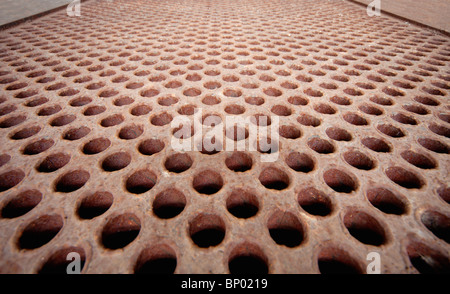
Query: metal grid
[87,165]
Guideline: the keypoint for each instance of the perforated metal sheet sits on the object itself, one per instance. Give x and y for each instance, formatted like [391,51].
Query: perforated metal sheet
[87,164]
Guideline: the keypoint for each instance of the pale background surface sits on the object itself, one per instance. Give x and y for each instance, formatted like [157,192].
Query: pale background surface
[434,13]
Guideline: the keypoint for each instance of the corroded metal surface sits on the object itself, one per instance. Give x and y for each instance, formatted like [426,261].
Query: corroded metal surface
[87,163]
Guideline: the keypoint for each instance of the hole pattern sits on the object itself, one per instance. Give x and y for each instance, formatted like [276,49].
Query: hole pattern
[86,108]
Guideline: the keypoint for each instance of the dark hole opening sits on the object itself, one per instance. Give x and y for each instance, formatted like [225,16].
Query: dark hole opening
[208,237]
[247,265]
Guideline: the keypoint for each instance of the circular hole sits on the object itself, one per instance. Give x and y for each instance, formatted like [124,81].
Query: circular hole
[392,92]
[314,202]
[173,84]
[69,92]
[426,100]
[375,144]
[308,120]
[234,109]
[340,100]
[237,133]
[40,231]
[207,230]
[289,132]
[242,204]
[355,119]
[232,93]
[76,133]
[434,145]
[49,110]
[300,162]
[120,231]
[281,110]
[261,120]
[353,92]
[157,78]
[25,133]
[390,130]
[112,120]
[324,108]
[368,109]
[168,100]
[210,100]
[386,201]
[212,85]
[81,101]
[416,109]
[297,100]
[285,229]
[444,193]
[289,85]
[12,121]
[359,160]
[207,182]
[254,100]
[96,146]
[135,85]
[125,100]
[432,91]
[272,92]
[193,77]
[321,145]
[169,203]
[38,146]
[139,110]
[116,161]
[445,117]
[34,103]
[149,92]
[140,181]
[151,146]
[332,260]
[274,178]
[178,162]
[239,162]
[404,177]
[365,228]
[157,259]
[404,119]
[22,203]
[247,258]
[339,181]
[313,93]
[191,92]
[30,92]
[381,100]
[437,223]
[161,119]
[96,86]
[58,263]
[53,162]
[427,260]
[417,159]
[72,181]
[4,159]
[95,204]
[131,132]
[439,130]
[94,110]
[63,120]
[338,134]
